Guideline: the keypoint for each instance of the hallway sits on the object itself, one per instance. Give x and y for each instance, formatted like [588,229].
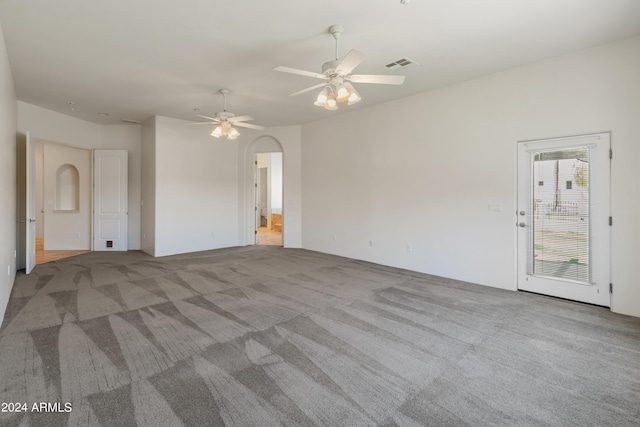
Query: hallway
[269,237]
[43,256]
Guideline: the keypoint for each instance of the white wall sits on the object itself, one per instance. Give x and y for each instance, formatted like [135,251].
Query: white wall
[66,230]
[8,117]
[422,170]
[196,189]
[39,190]
[273,163]
[148,186]
[275,182]
[264,162]
[47,125]
[287,139]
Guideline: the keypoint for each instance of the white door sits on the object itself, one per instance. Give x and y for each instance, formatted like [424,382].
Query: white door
[256,199]
[110,200]
[563,217]
[30,219]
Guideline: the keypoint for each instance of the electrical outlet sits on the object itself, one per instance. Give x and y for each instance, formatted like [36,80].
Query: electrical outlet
[78,234]
[8,270]
[371,243]
[409,248]
[335,237]
[494,207]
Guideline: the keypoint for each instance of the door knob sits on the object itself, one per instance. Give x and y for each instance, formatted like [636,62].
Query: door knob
[522,213]
[522,224]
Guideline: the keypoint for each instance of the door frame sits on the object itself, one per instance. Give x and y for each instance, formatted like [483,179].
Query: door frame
[97,216]
[598,293]
[261,144]
[22,194]
[260,194]
[269,191]
[25,209]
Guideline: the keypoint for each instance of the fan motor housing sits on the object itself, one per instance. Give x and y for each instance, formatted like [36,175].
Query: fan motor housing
[329,68]
[224,115]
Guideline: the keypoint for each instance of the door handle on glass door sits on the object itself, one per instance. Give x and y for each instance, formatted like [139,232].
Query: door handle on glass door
[522,224]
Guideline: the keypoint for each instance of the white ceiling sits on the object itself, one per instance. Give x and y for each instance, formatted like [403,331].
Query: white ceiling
[135,59]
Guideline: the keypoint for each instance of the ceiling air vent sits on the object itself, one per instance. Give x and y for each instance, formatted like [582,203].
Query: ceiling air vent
[403,62]
[131,122]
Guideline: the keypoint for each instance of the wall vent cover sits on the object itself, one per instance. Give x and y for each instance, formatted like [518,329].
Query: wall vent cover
[402,62]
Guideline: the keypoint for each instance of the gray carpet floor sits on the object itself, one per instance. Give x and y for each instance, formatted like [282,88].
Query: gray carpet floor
[262,336]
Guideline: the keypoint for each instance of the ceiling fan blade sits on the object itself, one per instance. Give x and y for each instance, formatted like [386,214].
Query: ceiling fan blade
[379,79]
[248,125]
[351,61]
[202,123]
[240,119]
[210,118]
[310,88]
[300,72]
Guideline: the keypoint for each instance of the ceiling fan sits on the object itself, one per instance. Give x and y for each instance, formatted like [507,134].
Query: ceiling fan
[338,77]
[225,121]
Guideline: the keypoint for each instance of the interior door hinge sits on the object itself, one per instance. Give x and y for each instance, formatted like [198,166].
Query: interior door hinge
[255,232]
[610,153]
[610,288]
[610,220]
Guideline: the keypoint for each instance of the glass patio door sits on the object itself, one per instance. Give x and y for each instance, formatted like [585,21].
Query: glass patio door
[563,217]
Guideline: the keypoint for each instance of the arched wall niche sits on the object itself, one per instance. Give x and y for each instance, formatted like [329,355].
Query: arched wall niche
[264,144]
[67,188]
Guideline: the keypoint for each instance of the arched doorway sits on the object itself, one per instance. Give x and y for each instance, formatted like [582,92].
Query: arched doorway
[268,199]
[265,193]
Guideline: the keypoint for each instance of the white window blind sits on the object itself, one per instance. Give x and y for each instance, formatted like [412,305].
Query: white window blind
[560,226]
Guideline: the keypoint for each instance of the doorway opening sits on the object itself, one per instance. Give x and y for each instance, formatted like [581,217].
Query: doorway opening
[268,199]
[58,191]
[43,256]
[63,201]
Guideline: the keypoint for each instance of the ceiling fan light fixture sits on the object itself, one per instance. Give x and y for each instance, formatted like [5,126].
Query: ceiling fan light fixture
[338,73]
[321,100]
[343,93]
[217,132]
[233,133]
[332,104]
[354,96]
[225,129]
